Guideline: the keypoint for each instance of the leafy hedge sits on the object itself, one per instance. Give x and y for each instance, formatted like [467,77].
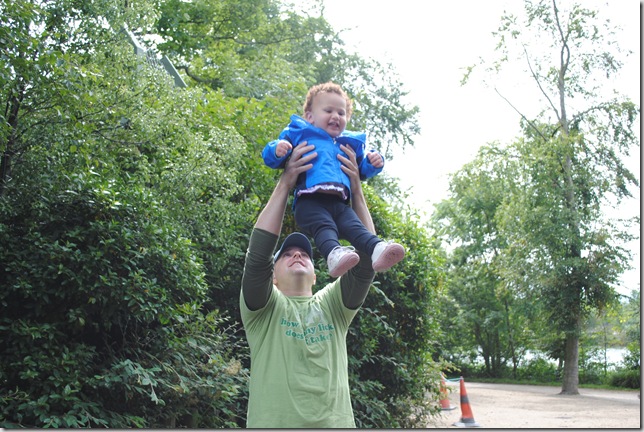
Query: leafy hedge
[627,378]
[102,323]
[124,220]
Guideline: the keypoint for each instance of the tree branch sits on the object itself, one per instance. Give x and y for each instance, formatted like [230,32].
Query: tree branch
[522,116]
[536,78]
[564,57]
[214,83]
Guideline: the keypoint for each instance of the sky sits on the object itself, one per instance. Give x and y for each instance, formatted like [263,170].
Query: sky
[430,44]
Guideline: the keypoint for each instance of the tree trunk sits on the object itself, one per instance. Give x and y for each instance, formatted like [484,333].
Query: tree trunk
[515,360]
[571,365]
[571,356]
[13,109]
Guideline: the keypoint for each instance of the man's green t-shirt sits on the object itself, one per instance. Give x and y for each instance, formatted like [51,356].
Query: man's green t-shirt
[299,361]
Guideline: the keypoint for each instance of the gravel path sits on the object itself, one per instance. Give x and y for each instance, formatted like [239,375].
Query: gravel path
[527,406]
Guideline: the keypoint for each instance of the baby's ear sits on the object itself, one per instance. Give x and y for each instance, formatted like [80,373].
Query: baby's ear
[308,116]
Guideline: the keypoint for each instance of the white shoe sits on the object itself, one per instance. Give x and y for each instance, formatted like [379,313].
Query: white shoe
[341,259]
[386,255]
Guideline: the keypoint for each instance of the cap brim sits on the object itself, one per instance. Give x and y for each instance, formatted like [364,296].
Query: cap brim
[298,240]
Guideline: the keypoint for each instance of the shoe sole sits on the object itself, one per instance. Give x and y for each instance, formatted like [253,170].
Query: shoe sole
[391,256]
[346,263]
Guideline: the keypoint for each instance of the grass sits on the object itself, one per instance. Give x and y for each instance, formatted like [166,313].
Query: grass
[547,384]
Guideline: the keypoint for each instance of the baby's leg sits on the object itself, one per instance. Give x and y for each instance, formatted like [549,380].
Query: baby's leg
[353,230]
[383,254]
[313,217]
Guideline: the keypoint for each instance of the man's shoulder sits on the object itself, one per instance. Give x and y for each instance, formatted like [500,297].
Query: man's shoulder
[329,290]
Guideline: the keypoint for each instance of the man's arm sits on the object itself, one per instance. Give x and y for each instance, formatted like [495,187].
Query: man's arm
[355,284]
[358,201]
[258,267]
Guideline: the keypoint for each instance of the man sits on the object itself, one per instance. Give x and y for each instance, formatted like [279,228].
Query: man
[299,373]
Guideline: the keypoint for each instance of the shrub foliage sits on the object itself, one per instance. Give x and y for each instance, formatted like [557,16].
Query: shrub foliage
[125,210]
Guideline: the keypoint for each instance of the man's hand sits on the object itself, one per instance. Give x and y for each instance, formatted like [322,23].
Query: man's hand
[270,218]
[350,166]
[358,202]
[298,163]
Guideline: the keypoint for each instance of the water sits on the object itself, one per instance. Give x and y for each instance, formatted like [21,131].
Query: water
[614,357]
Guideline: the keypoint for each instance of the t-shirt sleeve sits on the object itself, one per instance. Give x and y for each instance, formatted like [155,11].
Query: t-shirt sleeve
[356,282]
[257,279]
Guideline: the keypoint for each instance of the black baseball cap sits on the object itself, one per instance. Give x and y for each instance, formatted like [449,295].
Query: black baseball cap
[295,239]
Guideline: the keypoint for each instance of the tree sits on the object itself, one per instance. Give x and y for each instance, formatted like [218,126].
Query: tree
[223,48]
[103,288]
[392,366]
[571,168]
[126,206]
[631,325]
[490,311]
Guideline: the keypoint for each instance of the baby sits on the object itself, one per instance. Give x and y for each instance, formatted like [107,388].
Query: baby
[322,194]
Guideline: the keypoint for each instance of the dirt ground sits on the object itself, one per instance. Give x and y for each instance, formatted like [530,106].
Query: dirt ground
[524,406]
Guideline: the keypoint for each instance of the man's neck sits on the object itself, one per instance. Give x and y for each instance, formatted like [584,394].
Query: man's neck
[296,290]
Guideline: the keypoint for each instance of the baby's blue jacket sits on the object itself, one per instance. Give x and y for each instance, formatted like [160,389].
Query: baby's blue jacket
[326,167]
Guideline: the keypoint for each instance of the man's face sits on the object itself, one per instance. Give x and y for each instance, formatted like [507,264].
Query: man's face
[328,112]
[293,262]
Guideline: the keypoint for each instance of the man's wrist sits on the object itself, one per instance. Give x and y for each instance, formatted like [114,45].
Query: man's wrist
[283,185]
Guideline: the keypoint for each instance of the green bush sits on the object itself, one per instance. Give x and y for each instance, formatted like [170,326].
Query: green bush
[537,369]
[627,378]
[470,369]
[101,323]
[125,207]
[632,358]
[389,341]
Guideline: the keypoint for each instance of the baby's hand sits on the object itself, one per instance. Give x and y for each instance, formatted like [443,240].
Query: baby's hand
[283,147]
[376,159]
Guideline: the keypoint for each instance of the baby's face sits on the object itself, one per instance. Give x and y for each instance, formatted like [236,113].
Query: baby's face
[328,112]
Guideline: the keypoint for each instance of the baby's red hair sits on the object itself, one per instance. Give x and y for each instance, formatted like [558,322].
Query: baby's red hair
[327,87]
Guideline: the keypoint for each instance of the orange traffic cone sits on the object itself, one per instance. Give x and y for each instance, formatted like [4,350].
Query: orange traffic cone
[445,403]
[467,418]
